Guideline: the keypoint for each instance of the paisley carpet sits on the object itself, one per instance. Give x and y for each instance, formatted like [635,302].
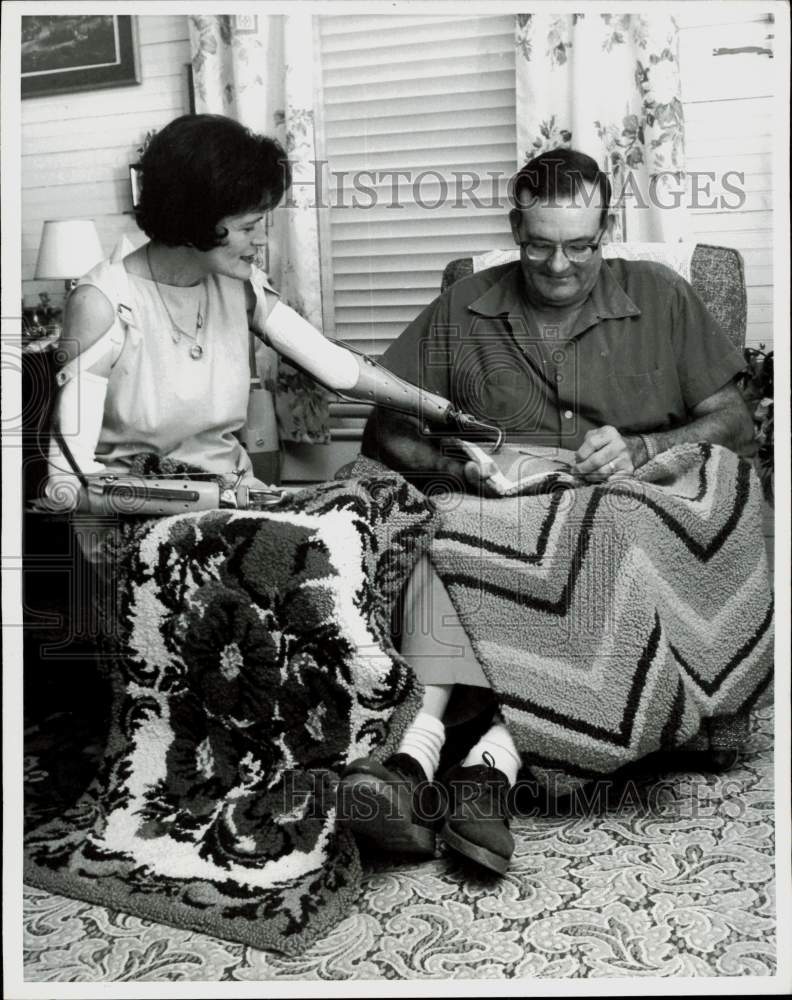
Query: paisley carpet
[661,873]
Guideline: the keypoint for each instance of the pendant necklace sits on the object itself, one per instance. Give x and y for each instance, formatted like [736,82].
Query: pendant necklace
[196,351]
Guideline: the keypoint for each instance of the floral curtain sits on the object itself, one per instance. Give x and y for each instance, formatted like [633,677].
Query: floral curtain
[258,69]
[608,85]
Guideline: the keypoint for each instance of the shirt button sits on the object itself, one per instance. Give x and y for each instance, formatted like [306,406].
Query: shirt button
[568,414]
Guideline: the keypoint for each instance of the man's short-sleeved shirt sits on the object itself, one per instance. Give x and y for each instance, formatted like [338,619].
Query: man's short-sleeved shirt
[642,353]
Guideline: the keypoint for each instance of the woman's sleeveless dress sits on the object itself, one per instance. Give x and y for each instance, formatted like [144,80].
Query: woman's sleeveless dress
[160,399]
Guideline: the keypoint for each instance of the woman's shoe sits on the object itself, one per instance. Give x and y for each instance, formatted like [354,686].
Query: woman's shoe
[478,816]
[391,806]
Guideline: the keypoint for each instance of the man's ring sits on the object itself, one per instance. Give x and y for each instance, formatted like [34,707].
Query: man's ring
[609,468]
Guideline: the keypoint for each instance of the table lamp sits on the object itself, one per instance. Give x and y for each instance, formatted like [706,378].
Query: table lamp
[69,248]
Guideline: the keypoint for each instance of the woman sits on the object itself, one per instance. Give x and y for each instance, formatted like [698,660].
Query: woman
[168,371]
[158,365]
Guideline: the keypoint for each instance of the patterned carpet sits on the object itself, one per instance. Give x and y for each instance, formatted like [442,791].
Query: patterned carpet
[665,873]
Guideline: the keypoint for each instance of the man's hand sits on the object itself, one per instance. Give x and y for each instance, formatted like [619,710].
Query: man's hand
[722,418]
[605,453]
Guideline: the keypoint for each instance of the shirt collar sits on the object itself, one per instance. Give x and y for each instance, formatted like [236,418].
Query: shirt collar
[606,300]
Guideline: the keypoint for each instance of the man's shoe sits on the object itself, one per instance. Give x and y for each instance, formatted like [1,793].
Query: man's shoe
[709,761]
[390,805]
[478,815]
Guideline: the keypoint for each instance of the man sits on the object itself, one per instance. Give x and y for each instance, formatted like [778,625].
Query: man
[610,359]
[614,360]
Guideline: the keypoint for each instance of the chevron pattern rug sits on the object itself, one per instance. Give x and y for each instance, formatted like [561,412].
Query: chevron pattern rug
[252,661]
[614,620]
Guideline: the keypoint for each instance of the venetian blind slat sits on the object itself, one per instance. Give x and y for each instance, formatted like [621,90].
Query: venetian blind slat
[432,97]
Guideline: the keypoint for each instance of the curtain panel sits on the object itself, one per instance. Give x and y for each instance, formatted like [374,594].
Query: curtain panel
[259,69]
[609,85]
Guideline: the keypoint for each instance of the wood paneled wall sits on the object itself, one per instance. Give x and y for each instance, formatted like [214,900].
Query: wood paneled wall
[76,148]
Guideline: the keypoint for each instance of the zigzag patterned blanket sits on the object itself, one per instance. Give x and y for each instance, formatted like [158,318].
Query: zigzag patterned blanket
[253,661]
[611,620]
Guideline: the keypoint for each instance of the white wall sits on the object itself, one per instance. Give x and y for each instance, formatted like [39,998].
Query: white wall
[728,101]
[76,148]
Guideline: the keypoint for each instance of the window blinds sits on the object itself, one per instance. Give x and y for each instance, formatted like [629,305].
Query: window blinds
[419,133]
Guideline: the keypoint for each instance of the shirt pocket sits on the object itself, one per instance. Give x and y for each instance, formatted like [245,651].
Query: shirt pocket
[514,399]
[638,401]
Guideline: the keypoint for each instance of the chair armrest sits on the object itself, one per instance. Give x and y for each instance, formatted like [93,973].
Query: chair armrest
[454,270]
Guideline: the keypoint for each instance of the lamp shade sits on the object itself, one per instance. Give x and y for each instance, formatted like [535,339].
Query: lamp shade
[69,248]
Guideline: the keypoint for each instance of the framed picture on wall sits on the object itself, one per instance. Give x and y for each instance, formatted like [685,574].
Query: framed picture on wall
[66,53]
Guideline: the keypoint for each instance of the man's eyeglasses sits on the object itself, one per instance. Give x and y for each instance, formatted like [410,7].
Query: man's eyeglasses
[575,251]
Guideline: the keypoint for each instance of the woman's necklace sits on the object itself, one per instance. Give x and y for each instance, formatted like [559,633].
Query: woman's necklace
[196,351]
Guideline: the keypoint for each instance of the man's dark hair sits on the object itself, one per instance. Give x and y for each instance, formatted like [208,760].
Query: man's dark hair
[560,173]
[201,168]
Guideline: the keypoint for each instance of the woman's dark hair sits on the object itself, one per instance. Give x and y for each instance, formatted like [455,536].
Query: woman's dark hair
[201,168]
[560,173]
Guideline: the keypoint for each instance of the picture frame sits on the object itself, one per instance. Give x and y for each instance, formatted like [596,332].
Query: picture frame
[63,54]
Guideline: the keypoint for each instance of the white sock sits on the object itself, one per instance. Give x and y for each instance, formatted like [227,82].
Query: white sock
[496,742]
[424,741]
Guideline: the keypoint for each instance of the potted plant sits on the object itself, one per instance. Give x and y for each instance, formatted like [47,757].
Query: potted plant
[756,383]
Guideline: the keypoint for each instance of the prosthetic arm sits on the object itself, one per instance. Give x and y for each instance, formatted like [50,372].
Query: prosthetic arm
[356,377]
[76,479]
[76,425]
